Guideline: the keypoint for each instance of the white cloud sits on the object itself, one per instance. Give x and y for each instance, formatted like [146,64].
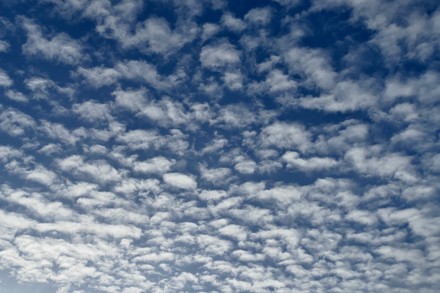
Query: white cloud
[161,39]
[15,122]
[16,96]
[236,115]
[283,135]
[209,30]
[345,96]
[60,48]
[278,81]
[38,204]
[4,46]
[99,76]
[143,72]
[215,145]
[132,70]
[362,217]
[5,80]
[233,23]
[219,56]
[139,139]
[259,16]
[212,195]
[131,100]
[246,166]
[58,131]
[92,111]
[119,22]
[99,171]
[234,231]
[43,176]
[157,165]
[233,80]
[79,189]
[294,160]
[372,163]
[312,63]
[165,112]
[215,175]
[180,180]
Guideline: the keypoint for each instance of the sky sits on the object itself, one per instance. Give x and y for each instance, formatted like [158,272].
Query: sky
[219,146]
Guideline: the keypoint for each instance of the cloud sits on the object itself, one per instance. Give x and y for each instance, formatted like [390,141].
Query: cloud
[372,163]
[313,64]
[259,16]
[219,56]
[15,122]
[278,81]
[99,76]
[60,48]
[99,171]
[215,175]
[233,23]
[157,165]
[236,116]
[42,175]
[133,100]
[119,22]
[5,80]
[92,111]
[245,166]
[180,180]
[284,135]
[16,96]
[4,46]
[133,70]
[139,139]
[157,33]
[294,160]
[209,30]
[165,112]
[215,145]
[345,96]
[58,132]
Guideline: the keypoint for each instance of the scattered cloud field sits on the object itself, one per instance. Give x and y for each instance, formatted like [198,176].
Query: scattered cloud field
[219,146]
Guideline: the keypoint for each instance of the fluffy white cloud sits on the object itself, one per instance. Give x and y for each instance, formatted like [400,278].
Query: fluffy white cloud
[180,180]
[16,96]
[92,111]
[158,165]
[233,23]
[219,56]
[284,135]
[259,16]
[139,139]
[294,160]
[15,122]
[345,96]
[5,80]
[4,46]
[215,175]
[372,163]
[60,48]
[99,171]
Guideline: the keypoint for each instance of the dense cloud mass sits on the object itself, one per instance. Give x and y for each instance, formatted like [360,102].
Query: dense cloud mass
[219,146]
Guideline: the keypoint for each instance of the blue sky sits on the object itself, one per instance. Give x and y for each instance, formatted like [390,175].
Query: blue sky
[219,146]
